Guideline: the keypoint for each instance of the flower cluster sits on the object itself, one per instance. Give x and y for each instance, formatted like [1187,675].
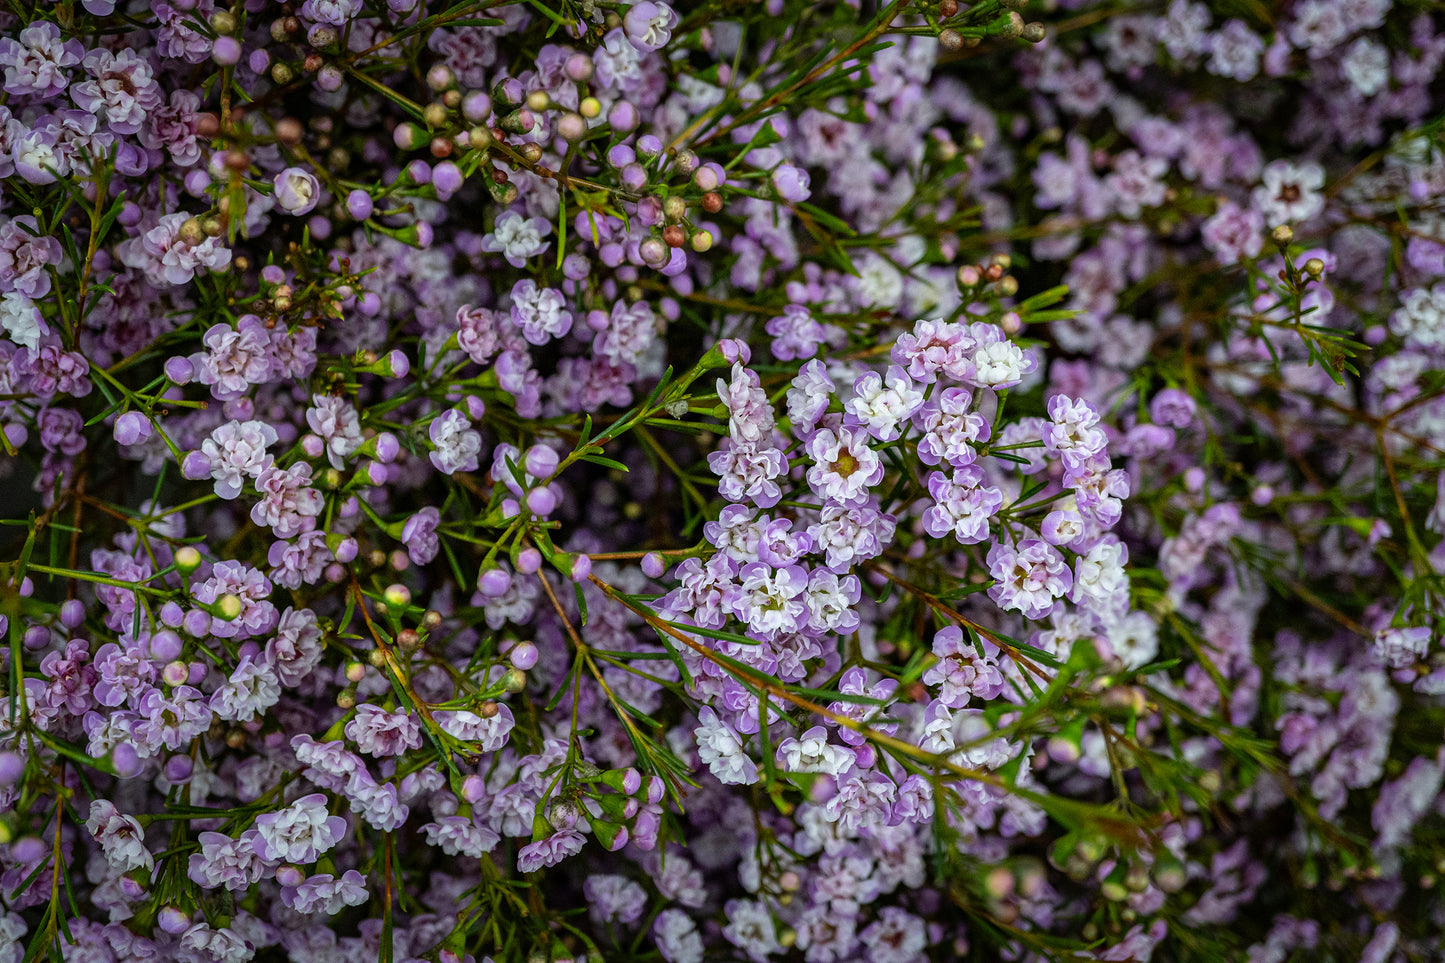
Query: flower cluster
[818,482]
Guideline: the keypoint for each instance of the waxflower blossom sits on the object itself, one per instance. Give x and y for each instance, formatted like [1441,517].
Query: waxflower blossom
[882,405]
[517,238]
[456,446]
[649,25]
[25,254]
[36,61]
[1289,193]
[120,836]
[721,750]
[1029,578]
[300,833]
[237,450]
[336,422]
[22,320]
[540,312]
[844,467]
[170,255]
[678,436]
[297,191]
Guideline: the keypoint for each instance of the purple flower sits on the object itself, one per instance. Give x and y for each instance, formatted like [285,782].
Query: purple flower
[238,358]
[122,91]
[962,670]
[35,63]
[25,254]
[1029,578]
[169,259]
[232,863]
[327,894]
[790,182]
[288,505]
[550,851]
[649,25]
[541,313]
[296,191]
[335,421]
[237,450]
[1234,233]
[300,833]
[381,733]
[419,535]
[963,506]
[614,898]
[456,446]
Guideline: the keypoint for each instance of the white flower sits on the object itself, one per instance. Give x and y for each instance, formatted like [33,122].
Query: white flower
[1289,193]
[1420,319]
[721,750]
[1000,365]
[517,238]
[1367,66]
[881,407]
[121,838]
[812,753]
[22,321]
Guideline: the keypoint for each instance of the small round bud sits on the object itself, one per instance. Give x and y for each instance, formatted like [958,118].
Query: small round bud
[674,208]
[948,8]
[538,101]
[950,39]
[653,565]
[346,699]
[515,680]
[529,560]
[434,114]
[523,655]
[226,51]
[702,242]
[188,560]
[1033,32]
[173,920]
[228,606]
[12,767]
[175,673]
[1282,235]
[474,788]
[1008,286]
[968,276]
[590,107]
[282,74]
[653,252]
[572,127]
[440,77]
[674,236]
[488,709]
[191,231]
[223,22]
[397,595]
[356,671]
[712,202]
[1314,267]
